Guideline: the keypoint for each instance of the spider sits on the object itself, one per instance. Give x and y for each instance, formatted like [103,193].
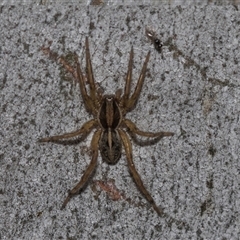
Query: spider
[112,127]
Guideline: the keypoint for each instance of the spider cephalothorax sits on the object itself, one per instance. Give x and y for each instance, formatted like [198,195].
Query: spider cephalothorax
[112,128]
[110,117]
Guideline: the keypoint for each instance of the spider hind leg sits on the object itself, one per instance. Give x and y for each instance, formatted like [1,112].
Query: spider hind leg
[88,172]
[135,174]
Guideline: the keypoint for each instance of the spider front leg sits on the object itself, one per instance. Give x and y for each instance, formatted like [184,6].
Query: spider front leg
[89,170]
[94,94]
[85,129]
[127,102]
[88,101]
[128,148]
[92,101]
[131,103]
[133,128]
[127,88]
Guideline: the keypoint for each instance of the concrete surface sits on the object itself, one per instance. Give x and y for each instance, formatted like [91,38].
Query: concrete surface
[192,88]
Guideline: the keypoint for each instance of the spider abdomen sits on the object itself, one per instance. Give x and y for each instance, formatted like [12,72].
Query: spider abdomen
[110,146]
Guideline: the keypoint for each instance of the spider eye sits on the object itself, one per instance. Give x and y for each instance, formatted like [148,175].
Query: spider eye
[109,99]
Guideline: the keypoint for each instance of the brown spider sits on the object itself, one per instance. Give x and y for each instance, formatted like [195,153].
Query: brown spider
[109,120]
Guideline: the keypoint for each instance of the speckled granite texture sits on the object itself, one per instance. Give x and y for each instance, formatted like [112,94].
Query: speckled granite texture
[192,88]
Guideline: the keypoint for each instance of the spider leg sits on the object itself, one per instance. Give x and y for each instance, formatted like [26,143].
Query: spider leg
[85,129]
[118,94]
[133,128]
[128,148]
[127,88]
[88,102]
[93,91]
[89,170]
[130,103]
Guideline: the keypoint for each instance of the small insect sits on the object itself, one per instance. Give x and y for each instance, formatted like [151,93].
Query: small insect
[109,119]
[152,36]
